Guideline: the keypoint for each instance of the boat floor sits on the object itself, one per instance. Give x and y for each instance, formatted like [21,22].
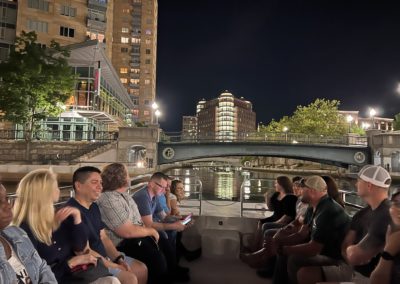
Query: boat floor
[221,271]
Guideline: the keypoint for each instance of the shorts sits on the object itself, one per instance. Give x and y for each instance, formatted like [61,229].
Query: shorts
[116,271]
[339,272]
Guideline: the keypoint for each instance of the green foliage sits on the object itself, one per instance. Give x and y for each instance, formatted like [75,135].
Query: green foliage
[35,81]
[321,117]
[396,122]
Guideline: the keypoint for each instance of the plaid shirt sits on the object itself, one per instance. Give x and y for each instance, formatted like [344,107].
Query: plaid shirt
[116,209]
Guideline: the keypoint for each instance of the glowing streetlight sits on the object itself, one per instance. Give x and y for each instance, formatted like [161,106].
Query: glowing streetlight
[157,113]
[154,106]
[349,119]
[372,113]
[285,129]
[398,88]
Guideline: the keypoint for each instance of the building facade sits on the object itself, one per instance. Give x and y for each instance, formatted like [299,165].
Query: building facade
[367,123]
[134,53]
[189,127]
[225,118]
[8,24]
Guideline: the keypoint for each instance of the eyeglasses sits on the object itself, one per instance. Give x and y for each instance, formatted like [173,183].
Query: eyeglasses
[159,185]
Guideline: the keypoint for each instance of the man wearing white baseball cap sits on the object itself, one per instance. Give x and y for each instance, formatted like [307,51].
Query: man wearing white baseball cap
[366,238]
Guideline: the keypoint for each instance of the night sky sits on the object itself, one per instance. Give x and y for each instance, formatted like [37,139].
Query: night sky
[278,54]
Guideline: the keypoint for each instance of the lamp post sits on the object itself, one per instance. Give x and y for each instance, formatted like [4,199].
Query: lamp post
[372,113]
[349,119]
[154,106]
[285,129]
[157,113]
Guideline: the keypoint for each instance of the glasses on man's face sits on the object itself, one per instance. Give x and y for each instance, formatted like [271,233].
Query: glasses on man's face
[159,185]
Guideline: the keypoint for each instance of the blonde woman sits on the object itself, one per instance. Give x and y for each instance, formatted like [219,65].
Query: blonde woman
[55,235]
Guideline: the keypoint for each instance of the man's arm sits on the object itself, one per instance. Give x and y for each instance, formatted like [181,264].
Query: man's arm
[176,226]
[362,252]
[311,248]
[111,250]
[129,230]
[348,241]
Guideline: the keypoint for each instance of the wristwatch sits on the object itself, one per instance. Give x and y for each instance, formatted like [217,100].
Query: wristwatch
[387,256]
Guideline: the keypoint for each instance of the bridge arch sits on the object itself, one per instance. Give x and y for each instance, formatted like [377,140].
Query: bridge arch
[338,155]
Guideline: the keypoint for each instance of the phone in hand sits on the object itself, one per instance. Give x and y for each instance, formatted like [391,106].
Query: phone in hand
[187,219]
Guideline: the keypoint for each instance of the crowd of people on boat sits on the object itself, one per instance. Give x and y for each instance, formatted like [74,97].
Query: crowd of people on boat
[311,239]
[102,235]
[105,235]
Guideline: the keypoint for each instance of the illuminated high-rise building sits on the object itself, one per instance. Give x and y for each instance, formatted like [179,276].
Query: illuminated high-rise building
[225,118]
[134,53]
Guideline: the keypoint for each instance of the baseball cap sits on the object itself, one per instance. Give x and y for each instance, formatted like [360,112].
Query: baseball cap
[376,175]
[315,182]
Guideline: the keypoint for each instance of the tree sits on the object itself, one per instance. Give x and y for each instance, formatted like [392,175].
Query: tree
[321,117]
[35,82]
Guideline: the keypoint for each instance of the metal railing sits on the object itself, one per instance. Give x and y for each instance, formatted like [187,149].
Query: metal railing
[262,137]
[60,135]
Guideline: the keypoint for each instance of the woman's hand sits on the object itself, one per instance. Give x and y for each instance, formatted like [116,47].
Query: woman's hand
[67,211]
[82,259]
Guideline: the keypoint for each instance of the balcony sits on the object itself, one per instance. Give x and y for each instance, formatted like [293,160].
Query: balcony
[97,5]
[95,24]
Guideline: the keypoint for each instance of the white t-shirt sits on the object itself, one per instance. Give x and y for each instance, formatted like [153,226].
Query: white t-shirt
[19,268]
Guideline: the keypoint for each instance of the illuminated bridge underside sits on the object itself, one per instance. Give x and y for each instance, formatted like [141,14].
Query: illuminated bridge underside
[338,155]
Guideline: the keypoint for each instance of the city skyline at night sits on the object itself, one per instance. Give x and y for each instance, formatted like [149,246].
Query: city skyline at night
[277,55]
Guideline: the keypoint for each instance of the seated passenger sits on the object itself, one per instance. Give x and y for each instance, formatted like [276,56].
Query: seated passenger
[87,185]
[284,206]
[19,261]
[264,258]
[328,224]
[388,269]
[56,236]
[164,198]
[333,190]
[153,215]
[124,224]
[366,237]
[176,195]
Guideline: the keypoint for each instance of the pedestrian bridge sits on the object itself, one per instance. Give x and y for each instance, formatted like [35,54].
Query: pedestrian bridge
[339,151]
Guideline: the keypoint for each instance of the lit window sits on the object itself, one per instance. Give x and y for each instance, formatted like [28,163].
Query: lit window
[147,81]
[148,32]
[124,80]
[146,113]
[148,41]
[125,30]
[123,70]
[136,71]
[124,39]
[135,40]
[125,11]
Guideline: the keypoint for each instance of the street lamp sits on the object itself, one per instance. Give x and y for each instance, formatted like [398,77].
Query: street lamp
[154,106]
[285,129]
[372,113]
[157,113]
[349,119]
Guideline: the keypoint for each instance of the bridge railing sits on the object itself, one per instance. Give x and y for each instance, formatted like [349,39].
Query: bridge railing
[263,137]
[60,135]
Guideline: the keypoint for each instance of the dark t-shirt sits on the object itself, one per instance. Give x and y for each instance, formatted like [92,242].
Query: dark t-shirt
[370,226]
[92,219]
[285,206]
[329,224]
